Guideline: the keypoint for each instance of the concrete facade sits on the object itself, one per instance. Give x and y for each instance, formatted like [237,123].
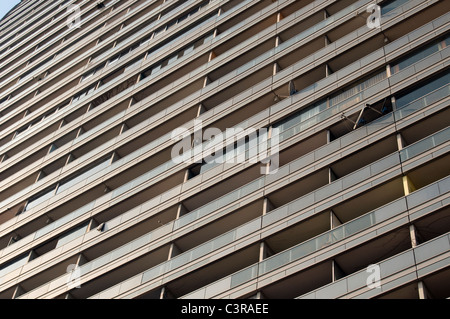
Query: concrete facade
[344,193]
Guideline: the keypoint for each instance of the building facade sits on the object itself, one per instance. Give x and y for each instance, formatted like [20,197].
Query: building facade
[211,149]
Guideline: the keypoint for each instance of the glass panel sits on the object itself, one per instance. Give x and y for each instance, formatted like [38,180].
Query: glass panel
[74,180]
[12,265]
[72,235]
[275,262]
[244,275]
[419,92]
[40,198]
[416,56]
[358,224]
[425,144]
[391,5]
[423,102]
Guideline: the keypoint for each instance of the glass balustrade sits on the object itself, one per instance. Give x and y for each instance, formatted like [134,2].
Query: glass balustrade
[341,232]
[295,253]
[179,223]
[390,266]
[407,109]
[425,144]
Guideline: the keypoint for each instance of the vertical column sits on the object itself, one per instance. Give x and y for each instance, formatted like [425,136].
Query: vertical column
[394,106]
[181,210]
[211,55]
[132,99]
[276,66]
[15,238]
[200,109]
[62,123]
[264,249]
[165,293]
[336,271]
[388,70]
[80,131]
[39,175]
[68,159]
[326,43]
[334,220]
[259,295]
[331,175]
[414,236]
[327,70]
[326,40]
[123,128]
[173,251]
[408,185]
[266,165]
[17,292]
[422,290]
[81,260]
[267,206]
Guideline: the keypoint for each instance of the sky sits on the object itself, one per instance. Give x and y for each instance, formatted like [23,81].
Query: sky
[6,5]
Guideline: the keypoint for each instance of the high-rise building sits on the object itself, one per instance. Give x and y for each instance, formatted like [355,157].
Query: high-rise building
[225,149]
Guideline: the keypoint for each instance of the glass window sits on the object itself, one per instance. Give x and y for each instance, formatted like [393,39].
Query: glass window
[172,59]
